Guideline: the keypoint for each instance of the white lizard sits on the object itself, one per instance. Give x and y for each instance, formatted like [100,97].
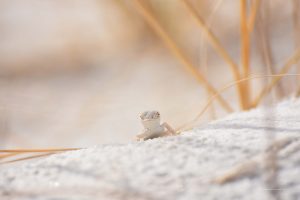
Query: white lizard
[153,128]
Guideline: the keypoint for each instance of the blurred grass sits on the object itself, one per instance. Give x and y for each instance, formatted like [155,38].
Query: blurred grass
[77,71]
[97,43]
[100,49]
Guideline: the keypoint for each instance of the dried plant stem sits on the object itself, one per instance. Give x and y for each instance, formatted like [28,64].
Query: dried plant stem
[41,152]
[37,150]
[248,168]
[252,166]
[216,45]
[170,43]
[291,61]
[189,125]
[253,15]
[264,45]
[7,155]
[28,157]
[270,159]
[271,169]
[204,55]
[298,93]
[245,52]
[296,26]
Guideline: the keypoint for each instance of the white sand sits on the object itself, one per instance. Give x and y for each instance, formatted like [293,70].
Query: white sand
[180,167]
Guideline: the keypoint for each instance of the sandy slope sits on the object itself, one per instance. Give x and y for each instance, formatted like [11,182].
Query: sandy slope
[189,166]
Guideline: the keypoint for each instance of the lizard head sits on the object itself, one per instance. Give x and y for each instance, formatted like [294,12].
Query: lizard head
[150,115]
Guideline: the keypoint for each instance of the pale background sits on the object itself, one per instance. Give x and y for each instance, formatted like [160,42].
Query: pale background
[78,72]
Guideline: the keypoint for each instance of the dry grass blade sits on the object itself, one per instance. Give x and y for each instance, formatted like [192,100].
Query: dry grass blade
[253,15]
[28,157]
[17,152]
[204,55]
[263,43]
[189,125]
[154,23]
[251,166]
[298,93]
[296,27]
[245,52]
[216,45]
[291,61]
[248,168]
[37,150]
[7,155]
[270,159]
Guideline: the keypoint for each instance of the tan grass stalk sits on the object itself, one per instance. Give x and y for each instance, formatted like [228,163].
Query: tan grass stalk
[189,125]
[251,166]
[291,61]
[28,157]
[264,44]
[170,43]
[37,150]
[270,162]
[298,93]
[203,52]
[271,168]
[253,14]
[296,27]
[216,45]
[7,155]
[245,52]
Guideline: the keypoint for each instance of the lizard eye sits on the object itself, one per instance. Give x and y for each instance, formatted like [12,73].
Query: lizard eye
[143,115]
[155,115]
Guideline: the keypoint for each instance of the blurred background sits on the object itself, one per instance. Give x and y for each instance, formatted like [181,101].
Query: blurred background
[76,73]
